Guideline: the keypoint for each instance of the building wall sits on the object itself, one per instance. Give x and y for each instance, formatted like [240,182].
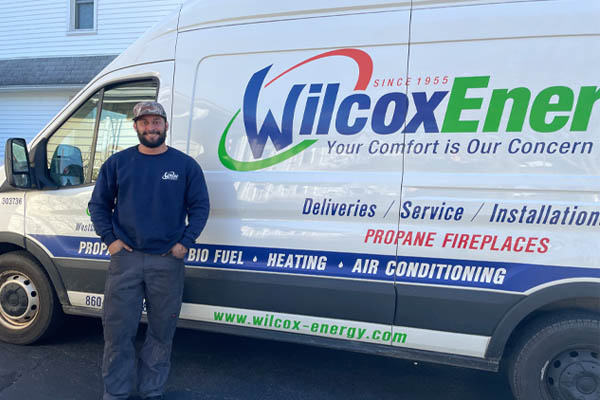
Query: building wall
[24,113]
[40,28]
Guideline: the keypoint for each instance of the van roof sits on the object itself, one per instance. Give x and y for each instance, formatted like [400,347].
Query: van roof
[198,14]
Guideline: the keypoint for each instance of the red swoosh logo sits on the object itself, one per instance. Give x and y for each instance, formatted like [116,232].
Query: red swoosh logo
[365,65]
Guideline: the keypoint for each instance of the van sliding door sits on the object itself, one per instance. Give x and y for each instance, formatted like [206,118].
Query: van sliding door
[502,95]
[293,123]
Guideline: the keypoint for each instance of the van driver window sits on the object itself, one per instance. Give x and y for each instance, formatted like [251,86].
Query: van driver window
[72,147]
[69,149]
[115,130]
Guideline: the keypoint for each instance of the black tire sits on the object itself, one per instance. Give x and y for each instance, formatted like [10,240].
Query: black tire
[29,307]
[558,359]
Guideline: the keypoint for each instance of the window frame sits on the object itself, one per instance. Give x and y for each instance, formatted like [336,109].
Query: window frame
[88,177]
[72,28]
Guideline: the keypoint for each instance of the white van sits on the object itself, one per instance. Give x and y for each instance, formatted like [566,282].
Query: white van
[413,179]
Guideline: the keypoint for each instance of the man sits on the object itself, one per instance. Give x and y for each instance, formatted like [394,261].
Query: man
[139,207]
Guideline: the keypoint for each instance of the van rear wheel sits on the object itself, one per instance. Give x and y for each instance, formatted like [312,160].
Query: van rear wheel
[558,360]
[29,307]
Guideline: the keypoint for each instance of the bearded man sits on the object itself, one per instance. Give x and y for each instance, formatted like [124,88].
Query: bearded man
[139,207]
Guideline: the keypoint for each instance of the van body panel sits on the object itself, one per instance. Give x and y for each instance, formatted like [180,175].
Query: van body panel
[241,12]
[82,275]
[277,205]
[481,170]
[276,293]
[452,310]
[552,199]
[247,290]
[12,217]
[512,19]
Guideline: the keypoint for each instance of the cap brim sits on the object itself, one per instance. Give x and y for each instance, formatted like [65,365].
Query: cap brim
[144,115]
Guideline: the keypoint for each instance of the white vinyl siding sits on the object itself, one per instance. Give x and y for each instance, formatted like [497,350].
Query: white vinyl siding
[25,114]
[42,28]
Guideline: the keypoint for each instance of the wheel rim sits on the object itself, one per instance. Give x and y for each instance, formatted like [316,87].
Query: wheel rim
[574,375]
[19,300]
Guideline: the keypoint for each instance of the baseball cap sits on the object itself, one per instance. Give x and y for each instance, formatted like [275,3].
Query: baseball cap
[148,108]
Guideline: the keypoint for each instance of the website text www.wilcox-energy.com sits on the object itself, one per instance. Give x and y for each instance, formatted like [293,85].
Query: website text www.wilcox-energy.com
[316,328]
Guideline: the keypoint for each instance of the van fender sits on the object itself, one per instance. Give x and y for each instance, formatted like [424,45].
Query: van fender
[42,257]
[532,303]
[12,238]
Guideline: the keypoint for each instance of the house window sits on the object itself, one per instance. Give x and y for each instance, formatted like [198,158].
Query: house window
[83,15]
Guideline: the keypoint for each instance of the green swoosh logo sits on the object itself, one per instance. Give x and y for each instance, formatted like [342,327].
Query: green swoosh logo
[236,165]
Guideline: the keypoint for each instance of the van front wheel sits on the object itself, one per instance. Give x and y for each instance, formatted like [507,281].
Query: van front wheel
[29,308]
[559,359]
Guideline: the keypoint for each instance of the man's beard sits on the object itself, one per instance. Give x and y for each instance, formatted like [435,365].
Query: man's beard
[162,136]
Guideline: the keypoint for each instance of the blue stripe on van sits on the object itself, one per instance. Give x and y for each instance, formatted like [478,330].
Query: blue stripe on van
[515,277]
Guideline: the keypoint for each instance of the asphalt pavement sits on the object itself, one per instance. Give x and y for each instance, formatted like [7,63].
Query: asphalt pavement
[211,366]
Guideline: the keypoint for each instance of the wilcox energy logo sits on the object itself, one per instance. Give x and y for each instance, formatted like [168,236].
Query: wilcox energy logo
[282,137]
[546,113]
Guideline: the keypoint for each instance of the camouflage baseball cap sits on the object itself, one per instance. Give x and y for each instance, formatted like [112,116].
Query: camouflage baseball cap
[148,108]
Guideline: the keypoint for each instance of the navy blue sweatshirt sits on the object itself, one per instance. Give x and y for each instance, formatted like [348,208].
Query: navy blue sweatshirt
[144,199]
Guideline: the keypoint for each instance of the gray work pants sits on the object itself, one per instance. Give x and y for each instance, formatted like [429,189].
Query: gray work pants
[133,276]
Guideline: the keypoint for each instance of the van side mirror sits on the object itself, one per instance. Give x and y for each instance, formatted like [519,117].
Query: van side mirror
[16,163]
[66,166]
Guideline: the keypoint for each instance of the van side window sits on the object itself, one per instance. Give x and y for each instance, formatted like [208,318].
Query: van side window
[85,137]
[69,149]
[115,130]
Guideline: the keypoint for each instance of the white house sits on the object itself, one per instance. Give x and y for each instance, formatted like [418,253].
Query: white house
[49,50]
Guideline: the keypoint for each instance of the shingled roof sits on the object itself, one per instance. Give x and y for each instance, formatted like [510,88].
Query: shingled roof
[51,71]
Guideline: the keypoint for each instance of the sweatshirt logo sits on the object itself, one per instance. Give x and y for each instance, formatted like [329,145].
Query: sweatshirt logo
[170,176]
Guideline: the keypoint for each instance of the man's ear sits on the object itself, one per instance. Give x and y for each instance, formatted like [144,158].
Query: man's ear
[166,126]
